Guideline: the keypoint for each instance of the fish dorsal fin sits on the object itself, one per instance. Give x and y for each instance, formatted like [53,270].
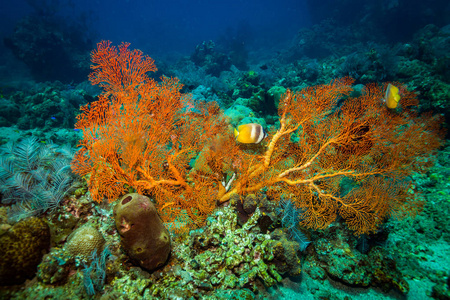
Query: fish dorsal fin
[239,128]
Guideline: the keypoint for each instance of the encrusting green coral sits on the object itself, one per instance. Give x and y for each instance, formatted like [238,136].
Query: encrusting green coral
[224,255]
[244,251]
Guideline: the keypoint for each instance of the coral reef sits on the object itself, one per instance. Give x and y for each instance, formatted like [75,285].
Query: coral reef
[45,105]
[385,21]
[221,257]
[54,268]
[344,264]
[84,241]
[420,247]
[51,52]
[251,93]
[325,39]
[336,183]
[210,59]
[326,142]
[9,112]
[21,250]
[239,114]
[374,63]
[142,233]
[425,67]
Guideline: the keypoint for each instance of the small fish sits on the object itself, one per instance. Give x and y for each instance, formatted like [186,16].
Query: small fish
[53,118]
[251,133]
[391,97]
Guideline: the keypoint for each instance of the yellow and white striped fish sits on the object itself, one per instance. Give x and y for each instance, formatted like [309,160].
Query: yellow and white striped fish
[251,133]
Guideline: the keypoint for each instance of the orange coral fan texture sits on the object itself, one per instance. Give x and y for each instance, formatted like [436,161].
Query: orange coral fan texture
[333,153]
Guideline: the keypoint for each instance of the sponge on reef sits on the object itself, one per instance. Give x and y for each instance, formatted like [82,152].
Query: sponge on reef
[143,235]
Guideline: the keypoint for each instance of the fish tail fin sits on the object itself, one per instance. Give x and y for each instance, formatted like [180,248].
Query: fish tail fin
[236,133]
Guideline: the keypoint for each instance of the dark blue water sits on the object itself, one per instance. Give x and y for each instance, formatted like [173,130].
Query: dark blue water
[161,26]
[169,29]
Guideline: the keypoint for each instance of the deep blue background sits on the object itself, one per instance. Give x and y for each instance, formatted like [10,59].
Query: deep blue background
[170,26]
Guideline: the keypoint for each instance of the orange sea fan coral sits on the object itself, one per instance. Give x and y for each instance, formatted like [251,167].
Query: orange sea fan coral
[119,69]
[138,135]
[350,160]
[333,154]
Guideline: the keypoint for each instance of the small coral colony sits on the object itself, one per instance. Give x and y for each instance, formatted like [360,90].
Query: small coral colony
[203,206]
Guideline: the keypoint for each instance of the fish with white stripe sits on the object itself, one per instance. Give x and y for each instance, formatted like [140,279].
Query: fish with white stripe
[251,133]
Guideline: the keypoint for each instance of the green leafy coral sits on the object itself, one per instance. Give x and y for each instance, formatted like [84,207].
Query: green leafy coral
[223,255]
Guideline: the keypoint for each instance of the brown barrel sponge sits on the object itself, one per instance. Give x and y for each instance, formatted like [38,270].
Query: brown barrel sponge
[142,233]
